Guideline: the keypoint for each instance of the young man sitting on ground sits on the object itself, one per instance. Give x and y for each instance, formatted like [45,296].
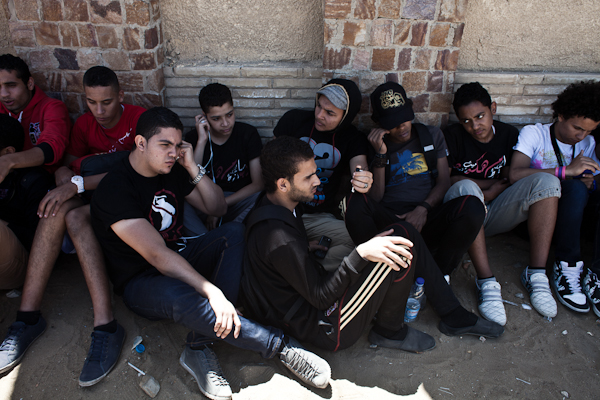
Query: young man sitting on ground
[339,148]
[566,150]
[411,177]
[46,123]
[194,282]
[229,152]
[480,156]
[20,194]
[109,126]
[284,286]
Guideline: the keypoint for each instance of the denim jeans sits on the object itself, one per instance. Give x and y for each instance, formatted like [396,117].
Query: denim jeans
[567,234]
[217,256]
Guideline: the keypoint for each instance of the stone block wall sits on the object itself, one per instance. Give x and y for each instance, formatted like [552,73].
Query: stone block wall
[522,98]
[413,42]
[261,94]
[61,39]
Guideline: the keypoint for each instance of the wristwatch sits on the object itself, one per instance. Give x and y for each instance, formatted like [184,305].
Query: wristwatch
[201,172]
[77,180]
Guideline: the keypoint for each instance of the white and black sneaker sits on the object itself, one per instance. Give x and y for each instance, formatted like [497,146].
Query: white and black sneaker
[591,288]
[566,283]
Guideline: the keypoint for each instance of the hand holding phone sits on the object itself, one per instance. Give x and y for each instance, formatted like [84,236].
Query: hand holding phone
[324,241]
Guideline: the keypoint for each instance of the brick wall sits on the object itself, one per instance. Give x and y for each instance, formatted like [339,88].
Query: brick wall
[522,98]
[61,39]
[413,42]
[261,94]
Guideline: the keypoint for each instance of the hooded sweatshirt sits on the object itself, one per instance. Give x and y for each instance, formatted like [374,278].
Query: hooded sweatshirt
[47,125]
[333,149]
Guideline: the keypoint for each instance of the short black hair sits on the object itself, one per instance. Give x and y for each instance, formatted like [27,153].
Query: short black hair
[214,95]
[11,133]
[101,76]
[280,158]
[153,120]
[581,99]
[8,62]
[470,92]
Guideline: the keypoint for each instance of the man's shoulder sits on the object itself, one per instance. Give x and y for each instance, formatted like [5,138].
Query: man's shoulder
[45,102]
[290,122]
[85,121]
[454,130]
[505,129]
[133,111]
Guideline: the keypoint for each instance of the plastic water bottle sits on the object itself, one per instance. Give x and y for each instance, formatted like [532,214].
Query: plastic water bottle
[415,301]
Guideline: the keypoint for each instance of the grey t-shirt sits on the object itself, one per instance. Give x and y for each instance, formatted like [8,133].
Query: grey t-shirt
[408,179]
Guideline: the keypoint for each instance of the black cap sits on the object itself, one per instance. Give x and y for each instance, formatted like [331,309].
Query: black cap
[390,105]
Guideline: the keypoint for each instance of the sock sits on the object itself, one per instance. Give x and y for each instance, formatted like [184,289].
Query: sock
[459,318]
[284,342]
[535,270]
[484,280]
[29,317]
[111,327]
[390,334]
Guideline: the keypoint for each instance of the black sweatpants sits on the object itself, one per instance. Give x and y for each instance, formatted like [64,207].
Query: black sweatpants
[380,290]
[366,218]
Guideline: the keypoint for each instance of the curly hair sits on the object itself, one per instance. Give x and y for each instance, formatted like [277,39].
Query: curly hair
[470,92]
[280,158]
[580,99]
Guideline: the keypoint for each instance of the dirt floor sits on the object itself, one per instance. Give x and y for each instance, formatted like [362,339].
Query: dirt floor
[534,359]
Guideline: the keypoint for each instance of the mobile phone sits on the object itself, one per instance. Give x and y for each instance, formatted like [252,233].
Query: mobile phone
[587,171]
[324,241]
[356,170]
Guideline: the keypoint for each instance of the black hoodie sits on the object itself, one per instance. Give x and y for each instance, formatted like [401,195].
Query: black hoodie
[333,149]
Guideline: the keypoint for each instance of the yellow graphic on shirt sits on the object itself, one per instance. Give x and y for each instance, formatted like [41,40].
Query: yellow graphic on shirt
[406,164]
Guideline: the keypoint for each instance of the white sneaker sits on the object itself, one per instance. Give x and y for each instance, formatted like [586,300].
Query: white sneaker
[490,302]
[538,286]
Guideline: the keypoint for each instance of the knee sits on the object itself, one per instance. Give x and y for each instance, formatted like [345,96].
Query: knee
[76,218]
[465,187]
[543,182]
[234,233]
[474,211]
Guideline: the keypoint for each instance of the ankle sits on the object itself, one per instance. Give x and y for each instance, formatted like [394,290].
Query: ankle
[391,334]
[29,317]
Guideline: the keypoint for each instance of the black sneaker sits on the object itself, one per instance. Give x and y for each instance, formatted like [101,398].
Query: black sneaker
[482,327]
[102,357]
[591,287]
[18,339]
[414,342]
[566,283]
[307,366]
[205,368]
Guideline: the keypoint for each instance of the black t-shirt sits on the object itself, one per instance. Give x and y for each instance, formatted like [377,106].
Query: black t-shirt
[473,159]
[231,160]
[20,195]
[333,152]
[125,194]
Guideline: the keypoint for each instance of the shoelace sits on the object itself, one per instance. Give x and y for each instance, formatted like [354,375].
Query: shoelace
[572,278]
[99,344]
[215,372]
[10,342]
[301,365]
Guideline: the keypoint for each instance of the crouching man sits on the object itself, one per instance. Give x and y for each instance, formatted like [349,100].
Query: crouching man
[137,215]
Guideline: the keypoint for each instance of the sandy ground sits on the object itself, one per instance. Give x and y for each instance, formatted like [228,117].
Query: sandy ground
[534,359]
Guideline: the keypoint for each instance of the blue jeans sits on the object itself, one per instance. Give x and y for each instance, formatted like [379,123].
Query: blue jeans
[567,234]
[217,256]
